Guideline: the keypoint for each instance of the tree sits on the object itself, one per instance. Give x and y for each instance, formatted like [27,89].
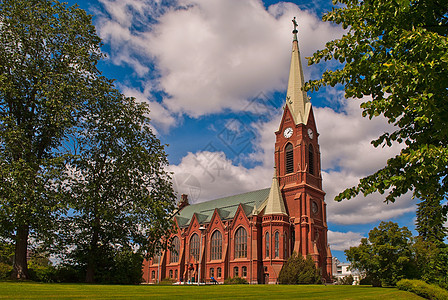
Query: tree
[298,270]
[48,57]
[395,52]
[386,256]
[121,195]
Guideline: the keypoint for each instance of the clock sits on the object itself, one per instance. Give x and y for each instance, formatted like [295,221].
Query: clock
[288,132]
[314,207]
[310,133]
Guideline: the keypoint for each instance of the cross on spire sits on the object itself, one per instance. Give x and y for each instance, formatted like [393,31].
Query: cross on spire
[295,31]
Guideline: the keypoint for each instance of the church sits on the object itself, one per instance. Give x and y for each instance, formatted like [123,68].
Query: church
[252,235]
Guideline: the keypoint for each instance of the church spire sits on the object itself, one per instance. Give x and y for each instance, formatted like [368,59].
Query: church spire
[296,99]
[275,204]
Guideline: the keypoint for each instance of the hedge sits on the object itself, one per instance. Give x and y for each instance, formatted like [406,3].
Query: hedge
[421,288]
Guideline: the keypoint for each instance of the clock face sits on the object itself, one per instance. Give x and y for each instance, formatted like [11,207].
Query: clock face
[288,132]
[310,133]
[314,207]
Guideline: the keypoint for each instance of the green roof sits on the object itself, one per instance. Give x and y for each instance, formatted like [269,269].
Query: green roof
[226,206]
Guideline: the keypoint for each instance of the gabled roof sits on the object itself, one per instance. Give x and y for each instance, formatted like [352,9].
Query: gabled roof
[226,206]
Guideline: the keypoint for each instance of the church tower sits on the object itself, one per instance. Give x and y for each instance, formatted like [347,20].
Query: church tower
[297,161]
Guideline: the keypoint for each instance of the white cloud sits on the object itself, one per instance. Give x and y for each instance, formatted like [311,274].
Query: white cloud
[160,116]
[209,175]
[211,55]
[360,210]
[343,240]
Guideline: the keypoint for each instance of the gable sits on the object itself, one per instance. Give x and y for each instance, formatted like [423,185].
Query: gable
[226,207]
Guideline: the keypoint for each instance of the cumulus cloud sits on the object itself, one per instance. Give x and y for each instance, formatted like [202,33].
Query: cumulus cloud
[209,175]
[348,155]
[343,240]
[210,55]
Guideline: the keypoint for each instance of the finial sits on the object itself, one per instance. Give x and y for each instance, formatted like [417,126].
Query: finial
[295,31]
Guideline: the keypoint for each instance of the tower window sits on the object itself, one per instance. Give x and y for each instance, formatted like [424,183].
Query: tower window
[311,159]
[289,158]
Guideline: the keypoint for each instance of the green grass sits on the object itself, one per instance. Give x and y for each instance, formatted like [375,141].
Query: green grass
[31,290]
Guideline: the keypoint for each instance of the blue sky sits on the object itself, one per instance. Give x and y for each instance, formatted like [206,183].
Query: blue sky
[214,73]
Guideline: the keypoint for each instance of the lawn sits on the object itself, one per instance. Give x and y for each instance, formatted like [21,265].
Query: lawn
[30,290]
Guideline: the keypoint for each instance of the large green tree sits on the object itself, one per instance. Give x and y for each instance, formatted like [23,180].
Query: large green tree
[394,56]
[121,195]
[386,256]
[48,57]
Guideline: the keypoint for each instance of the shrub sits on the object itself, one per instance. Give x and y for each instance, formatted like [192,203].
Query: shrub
[5,270]
[235,280]
[167,281]
[421,288]
[43,273]
[346,280]
[370,280]
[298,270]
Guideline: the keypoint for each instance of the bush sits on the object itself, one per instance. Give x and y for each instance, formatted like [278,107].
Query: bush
[347,280]
[5,270]
[235,280]
[69,274]
[421,288]
[167,281]
[298,270]
[43,273]
[370,280]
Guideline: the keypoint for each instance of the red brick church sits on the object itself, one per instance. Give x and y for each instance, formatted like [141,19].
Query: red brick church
[251,235]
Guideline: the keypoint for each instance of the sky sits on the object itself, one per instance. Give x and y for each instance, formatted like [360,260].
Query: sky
[214,73]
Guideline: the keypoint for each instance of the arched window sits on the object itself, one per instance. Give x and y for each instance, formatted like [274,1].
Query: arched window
[175,273]
[285,245]
[216,245]
[267,244]
[171,273]
[243,271]
[289,158]
[153,274]
[241,243]
[218,272]
[194,246]
[174,253]
[276,245]
[235,272]
[311,159]
[212,272]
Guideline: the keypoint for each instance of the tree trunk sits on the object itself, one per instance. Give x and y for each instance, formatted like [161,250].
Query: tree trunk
[20,269]
[91,260]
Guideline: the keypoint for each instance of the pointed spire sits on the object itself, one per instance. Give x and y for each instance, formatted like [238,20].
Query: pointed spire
[275,204]
[296,99]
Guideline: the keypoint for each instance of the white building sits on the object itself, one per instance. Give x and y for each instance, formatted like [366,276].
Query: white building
[341,270]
